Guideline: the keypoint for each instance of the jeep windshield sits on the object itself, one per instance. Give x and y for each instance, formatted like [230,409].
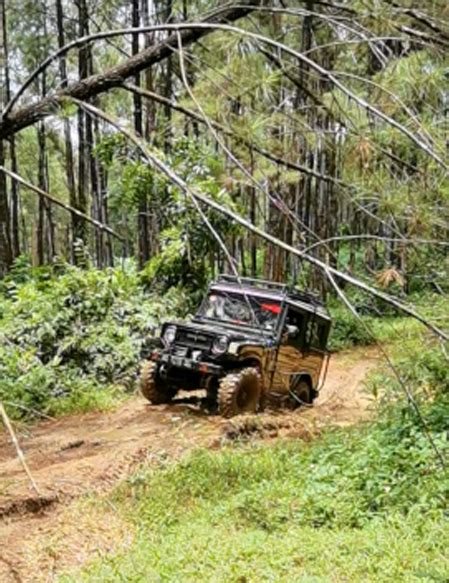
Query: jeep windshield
[241,309]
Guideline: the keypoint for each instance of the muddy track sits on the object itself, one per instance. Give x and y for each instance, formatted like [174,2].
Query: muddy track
[91,453]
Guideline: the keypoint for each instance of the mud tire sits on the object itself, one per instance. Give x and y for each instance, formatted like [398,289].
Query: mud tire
[239,392]
[301,394]
[150,387]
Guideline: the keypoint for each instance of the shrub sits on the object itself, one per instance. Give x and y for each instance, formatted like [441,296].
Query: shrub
[79,334]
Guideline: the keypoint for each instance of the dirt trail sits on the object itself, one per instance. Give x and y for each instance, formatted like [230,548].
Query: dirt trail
[93,452]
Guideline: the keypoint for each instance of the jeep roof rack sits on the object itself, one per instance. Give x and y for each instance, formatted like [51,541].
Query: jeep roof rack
[283,288]
[252,282]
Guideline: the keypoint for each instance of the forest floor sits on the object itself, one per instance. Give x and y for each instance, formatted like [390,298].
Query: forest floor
[80,455]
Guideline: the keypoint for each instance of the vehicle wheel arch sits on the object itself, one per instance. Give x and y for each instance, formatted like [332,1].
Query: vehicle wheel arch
[250,362]
[303,376]
[297,388]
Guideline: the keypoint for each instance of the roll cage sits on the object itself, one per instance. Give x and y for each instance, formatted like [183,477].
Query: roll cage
[280,299]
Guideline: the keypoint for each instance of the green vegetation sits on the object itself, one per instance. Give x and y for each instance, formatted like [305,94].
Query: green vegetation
[342,155]
[367,504]
[71,339]
[386,324]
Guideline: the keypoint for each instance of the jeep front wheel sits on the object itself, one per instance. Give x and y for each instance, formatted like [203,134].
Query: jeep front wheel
[239,392]
[150,386]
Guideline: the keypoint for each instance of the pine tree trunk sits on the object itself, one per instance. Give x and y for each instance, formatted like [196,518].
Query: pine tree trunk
[14,210]
[80,231]
[142,218]
[69,157]
[168,82]
[6,256]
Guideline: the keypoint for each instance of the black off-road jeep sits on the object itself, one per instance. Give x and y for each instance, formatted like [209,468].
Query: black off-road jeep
[250,340]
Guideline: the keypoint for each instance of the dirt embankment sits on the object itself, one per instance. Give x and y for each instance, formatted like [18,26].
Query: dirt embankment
[91,453]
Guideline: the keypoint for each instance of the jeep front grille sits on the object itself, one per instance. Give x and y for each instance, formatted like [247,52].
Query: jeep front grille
[180,350]
[192,339]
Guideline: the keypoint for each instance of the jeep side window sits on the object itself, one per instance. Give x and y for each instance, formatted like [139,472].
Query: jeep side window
[318,334]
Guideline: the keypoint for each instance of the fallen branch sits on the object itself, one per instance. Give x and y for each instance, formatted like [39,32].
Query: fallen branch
[99,83]
[368,237]
[96,84]
[57,202]
[20,455]
[239,139]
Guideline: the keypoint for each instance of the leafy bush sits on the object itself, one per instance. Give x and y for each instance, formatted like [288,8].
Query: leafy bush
[346,330]
[68,341]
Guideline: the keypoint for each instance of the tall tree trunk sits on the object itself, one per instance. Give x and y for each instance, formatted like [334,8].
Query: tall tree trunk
[42,182]
[14,210]
[142,217]
[149,215]
[45,228]
[80,231]
[6,255]
[5,241]
[168,82]
[69,158]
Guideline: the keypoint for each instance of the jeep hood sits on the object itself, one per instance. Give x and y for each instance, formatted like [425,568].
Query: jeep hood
[233,331]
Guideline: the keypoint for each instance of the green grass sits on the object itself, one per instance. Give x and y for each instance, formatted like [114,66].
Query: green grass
[367,504]
[394,550]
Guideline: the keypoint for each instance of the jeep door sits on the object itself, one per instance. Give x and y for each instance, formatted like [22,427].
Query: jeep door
[290,351]
[302,350]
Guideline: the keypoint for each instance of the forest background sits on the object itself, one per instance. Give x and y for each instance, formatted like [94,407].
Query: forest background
[304,142]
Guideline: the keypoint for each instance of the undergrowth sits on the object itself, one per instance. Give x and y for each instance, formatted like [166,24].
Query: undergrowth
[362,505]
[71,339]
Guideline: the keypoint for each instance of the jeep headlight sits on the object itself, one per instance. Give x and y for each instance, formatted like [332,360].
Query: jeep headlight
[169,335]
[220,345]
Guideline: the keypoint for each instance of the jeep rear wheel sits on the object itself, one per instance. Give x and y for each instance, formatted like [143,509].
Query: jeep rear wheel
[150,385]
[301,393]
[239,392]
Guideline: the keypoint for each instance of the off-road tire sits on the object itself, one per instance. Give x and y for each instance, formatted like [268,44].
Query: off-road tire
[150,386]
[301,394]
[239,392]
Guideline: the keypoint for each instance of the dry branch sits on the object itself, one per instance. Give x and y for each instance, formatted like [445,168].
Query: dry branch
[15,441]
[239,139]
[102,82]
[261,151]
[57,202]
[380,238]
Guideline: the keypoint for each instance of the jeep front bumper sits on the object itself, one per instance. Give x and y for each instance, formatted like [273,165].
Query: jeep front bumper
[183,362]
